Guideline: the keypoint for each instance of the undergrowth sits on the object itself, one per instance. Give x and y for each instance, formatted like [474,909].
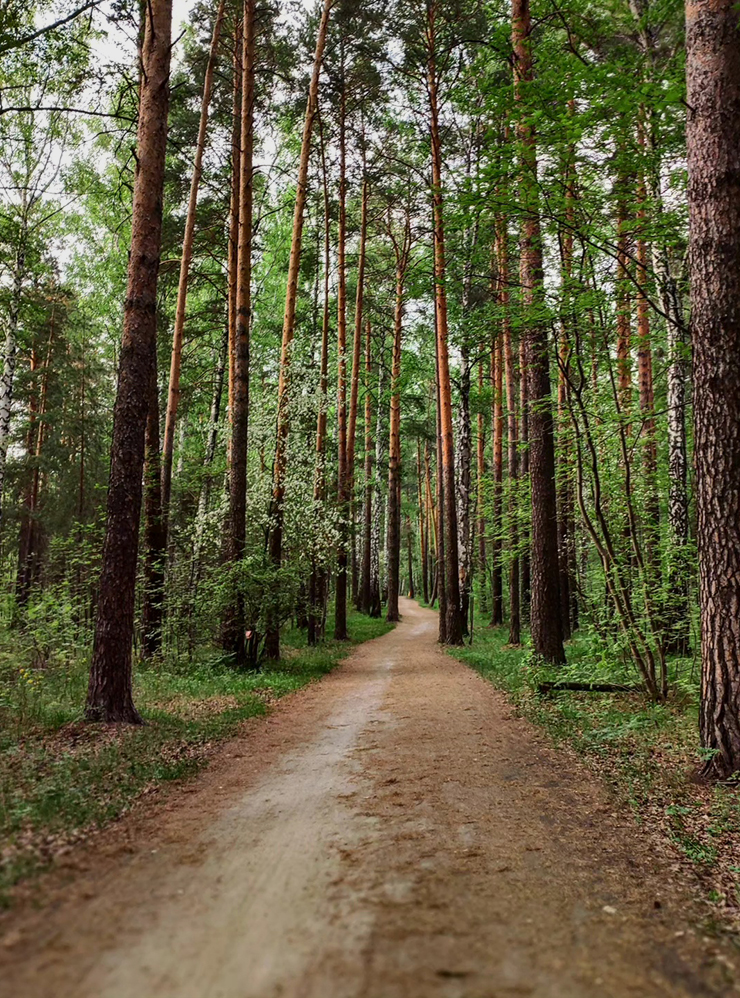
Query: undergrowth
[647,753]
[61,778]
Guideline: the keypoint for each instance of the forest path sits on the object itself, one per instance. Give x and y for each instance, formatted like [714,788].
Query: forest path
[391,832]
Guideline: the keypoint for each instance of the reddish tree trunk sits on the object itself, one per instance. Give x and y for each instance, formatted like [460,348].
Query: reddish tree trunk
[545,623]
[454,623]
[109,696]
[713,99]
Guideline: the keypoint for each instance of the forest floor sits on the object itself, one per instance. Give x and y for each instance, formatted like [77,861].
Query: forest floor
[394,831]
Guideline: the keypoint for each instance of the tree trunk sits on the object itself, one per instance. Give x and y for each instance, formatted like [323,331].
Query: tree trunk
[355,383]
[547,637]
[394,435]
[497,428]
[173,396]
[234,624]
[31,533]
[109,696]
[375,584]
[512,392]
[10,350]
[463,465]
[365,586]
[453,628]
[422,526]
[340,594]
[272,638]
[480,500]
[713,99]
[409,547]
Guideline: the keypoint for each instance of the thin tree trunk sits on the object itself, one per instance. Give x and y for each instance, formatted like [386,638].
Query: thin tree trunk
[422,526]
[272,638]
[355,382]
[340,586]
[453,628]
[411,592]
[234,625]
[10,350]
[317,582]
[512,392]
[173,396]
[713,78]
[546,628]
[497,435]
[463,465]
[480,474]
[394,435]
[365,587]
[109,696]
[375,583]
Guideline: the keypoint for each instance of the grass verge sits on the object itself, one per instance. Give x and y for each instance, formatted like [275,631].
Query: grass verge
[60,778]
[648,755]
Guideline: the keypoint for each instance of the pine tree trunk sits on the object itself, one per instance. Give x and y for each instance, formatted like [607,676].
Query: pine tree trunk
[463,465]
[10,350]
[173,396]
[355,385]
[409,547]
[422,526]
[497,437]
[394,437]
[31,532]
[546,627]
[713,99]
[317,582]
[480,500]
[272,638]
[512,392]
[109,696]
[452,633]
[365,586]
[233,627]
[340,594]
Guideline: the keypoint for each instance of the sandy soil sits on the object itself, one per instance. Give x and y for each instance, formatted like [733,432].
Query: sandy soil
[391,832]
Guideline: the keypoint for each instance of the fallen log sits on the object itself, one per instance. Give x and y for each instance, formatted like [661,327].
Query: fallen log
[554,687]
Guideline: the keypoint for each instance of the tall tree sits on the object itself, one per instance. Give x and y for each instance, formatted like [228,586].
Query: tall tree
[713,99]
[110,695]
[547,634]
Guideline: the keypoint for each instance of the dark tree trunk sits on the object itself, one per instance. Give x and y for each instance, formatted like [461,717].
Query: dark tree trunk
[497,438]
[453,628]
[545,622]
[367,523]
[713,99]
[110,695]
[234,627]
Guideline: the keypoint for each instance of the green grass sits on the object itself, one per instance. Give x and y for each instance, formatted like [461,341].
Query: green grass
[61,778]
[648,754]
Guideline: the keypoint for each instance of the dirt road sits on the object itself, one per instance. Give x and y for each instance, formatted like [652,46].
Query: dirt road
[391,832]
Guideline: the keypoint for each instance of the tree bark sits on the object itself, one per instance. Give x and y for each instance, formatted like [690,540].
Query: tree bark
[480,461]
[546,627]
[365,585]
[402,250]
[713,140]
[512,393]
[355,382]
[454,623]
[497,428]
[110,696]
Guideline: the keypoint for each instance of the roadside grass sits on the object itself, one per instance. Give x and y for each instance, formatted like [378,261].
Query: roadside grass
[648,754]
[60,778]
